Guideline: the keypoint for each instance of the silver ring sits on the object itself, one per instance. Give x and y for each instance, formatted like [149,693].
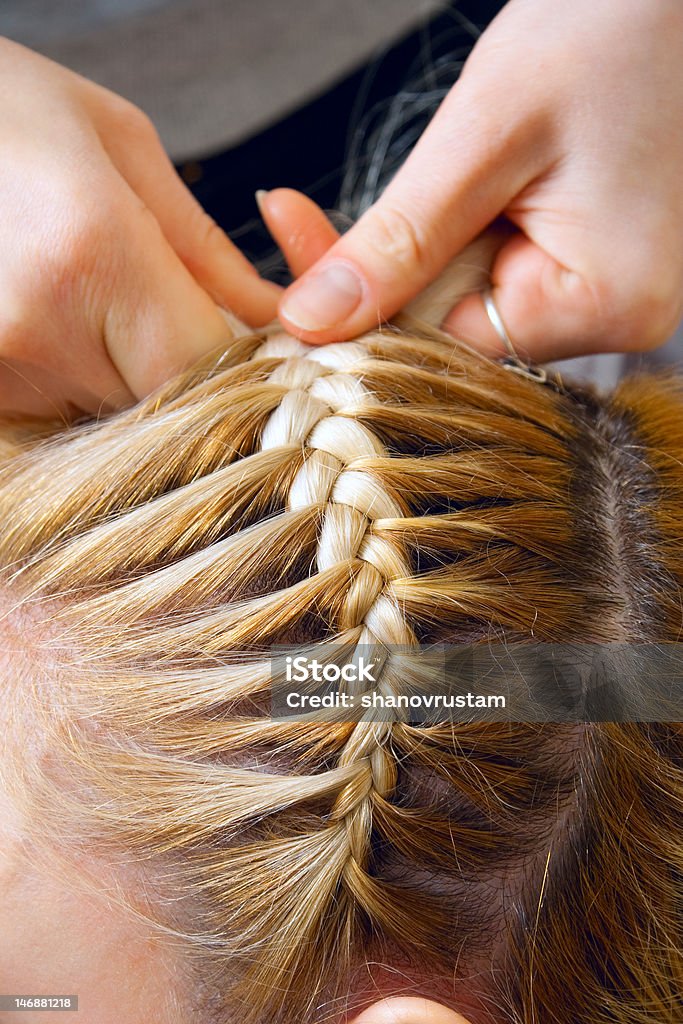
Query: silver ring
[512,361]
[497,322]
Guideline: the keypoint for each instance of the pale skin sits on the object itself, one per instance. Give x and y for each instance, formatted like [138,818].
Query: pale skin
[566,120]
[111,275]
[66,923]
[66,932]
[112,279]
[63,936]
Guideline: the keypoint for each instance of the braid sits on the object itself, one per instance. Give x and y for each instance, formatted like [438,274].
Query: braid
[315,414]
[380,493]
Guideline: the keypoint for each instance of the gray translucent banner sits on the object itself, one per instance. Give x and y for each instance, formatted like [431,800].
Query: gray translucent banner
[479,682]
[38,1004]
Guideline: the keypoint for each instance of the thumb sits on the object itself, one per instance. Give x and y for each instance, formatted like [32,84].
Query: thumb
[452,185]
[549,312]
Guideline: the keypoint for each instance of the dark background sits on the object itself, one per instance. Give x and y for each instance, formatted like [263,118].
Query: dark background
[308,149]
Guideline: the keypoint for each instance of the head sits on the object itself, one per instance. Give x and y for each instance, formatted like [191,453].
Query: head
[395,490]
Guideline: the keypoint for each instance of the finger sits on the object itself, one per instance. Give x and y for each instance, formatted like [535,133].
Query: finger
[158,320]
[218,265]
[549,311]
[298,225]
[454,183]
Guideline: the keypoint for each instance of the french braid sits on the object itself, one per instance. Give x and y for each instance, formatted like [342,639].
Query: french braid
[375,493]
[316,415]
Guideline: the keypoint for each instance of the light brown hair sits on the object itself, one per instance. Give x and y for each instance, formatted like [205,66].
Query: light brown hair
[397,489]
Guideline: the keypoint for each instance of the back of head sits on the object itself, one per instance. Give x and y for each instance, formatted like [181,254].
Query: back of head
[395,490]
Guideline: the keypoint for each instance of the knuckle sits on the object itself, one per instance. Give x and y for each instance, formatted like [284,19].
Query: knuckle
[79,248]
[127,119]
[15,335]
[660,321]
[396,240]
[641,309]
[203,241]
[79,236]
[207,232]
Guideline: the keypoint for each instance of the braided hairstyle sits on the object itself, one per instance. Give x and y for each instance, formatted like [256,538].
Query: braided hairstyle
[395,490]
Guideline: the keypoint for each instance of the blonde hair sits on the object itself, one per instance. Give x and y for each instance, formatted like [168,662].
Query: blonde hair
[397,489]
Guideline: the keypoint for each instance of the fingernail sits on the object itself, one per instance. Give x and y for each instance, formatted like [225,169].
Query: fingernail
[259,195]
[326,299]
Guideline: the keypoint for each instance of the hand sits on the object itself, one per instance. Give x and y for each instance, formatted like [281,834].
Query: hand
[110,271]
[567,120]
